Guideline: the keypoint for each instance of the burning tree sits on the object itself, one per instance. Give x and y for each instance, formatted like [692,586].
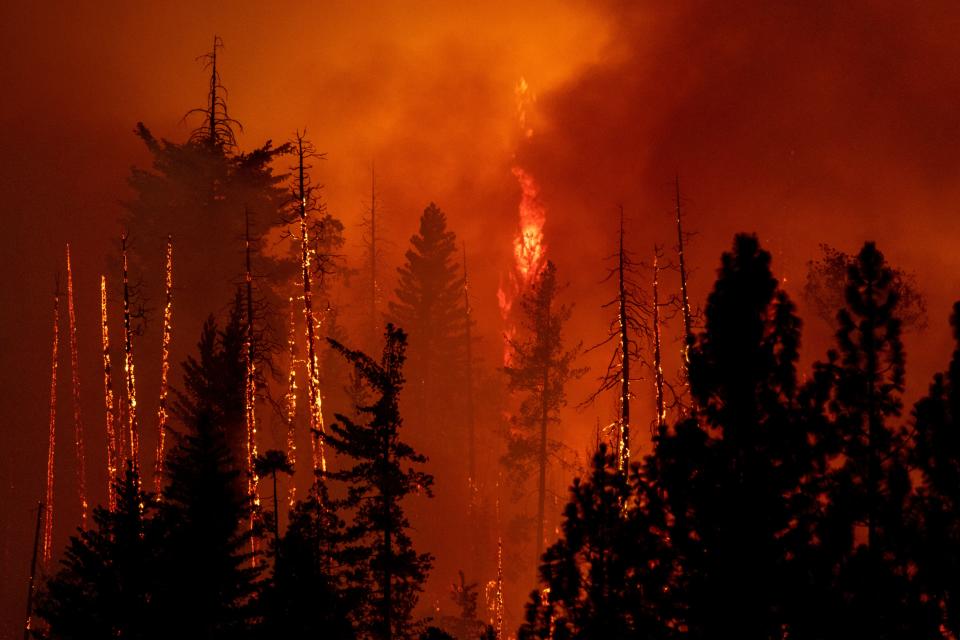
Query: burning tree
[628,324]
[381,477]
[539,371]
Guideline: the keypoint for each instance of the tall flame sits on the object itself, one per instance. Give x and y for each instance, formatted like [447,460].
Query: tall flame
[52,438]
[75,379]
[529,247]
[164,369]
[112,453]
[291,401]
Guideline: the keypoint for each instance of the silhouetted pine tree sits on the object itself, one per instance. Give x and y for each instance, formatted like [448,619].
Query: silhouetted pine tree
[106,585]
[732,475]
[539,371]
[429,306]
[382,475]
[607,576]
[314,590]
[206,569]
[864,531]
[936,454]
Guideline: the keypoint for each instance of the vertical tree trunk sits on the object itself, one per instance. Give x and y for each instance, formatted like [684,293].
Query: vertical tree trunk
[28,622]
[684,297]
[657,356]
[623,445]
[75,379]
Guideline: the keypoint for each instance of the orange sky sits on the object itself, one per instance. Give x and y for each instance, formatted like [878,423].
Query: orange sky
[804,121]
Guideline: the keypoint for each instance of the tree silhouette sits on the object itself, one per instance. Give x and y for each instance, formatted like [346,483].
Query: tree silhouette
[540,369]
[270,463]
[383,473]
[106,585]
[732,475]
[865,536]
[205,566]
[607,575]
[936,455]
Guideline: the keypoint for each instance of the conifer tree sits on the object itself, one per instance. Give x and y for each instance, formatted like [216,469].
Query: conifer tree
[539,371]
[205,567]
[936,455]
[384,472]
[429,306]
[607,575]
[864,534]
[731,476]
[315,588]
[106,585]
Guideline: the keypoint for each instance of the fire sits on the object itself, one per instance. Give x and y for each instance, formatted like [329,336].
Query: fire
[51,443]
[133,439]
[529,247]
[164,369]
[291,401]
[108,399]
[75,379]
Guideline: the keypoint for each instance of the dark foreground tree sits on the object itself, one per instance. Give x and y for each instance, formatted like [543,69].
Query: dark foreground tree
[107,582]
[607,575]
[936,455]
[732,475]
[384,472]
[315,589]
[207,570]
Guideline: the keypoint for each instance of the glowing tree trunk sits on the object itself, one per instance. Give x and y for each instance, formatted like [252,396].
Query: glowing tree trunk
[112,453]
[52,437]
[317,431]
[75,379]
[684,297]
[250,396]
[133,435]
[162,415]
[657,359]
[623,441]
[374,328]
[291,403]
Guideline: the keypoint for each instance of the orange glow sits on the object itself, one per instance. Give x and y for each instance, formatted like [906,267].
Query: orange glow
[108,399]
[291,402]
[164,369]
[75,379]
[529,248]
[52,438]
[133,436]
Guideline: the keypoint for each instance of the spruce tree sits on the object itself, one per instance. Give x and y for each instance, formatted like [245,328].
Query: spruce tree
[315,588]
[208,574]
[429,306]
[106,586]
[539,371]
[383,472]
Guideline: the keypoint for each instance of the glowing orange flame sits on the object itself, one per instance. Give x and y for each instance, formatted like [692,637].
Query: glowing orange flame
[291,402]
[317,430]
[108,399]
[133,436]
[75,375]
[164,369]
[52,438]
[529,248]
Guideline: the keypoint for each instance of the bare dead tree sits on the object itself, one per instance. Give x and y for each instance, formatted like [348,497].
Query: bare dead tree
[629,323]
[217,127]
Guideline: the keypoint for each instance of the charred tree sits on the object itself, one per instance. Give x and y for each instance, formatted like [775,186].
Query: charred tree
[539,371]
